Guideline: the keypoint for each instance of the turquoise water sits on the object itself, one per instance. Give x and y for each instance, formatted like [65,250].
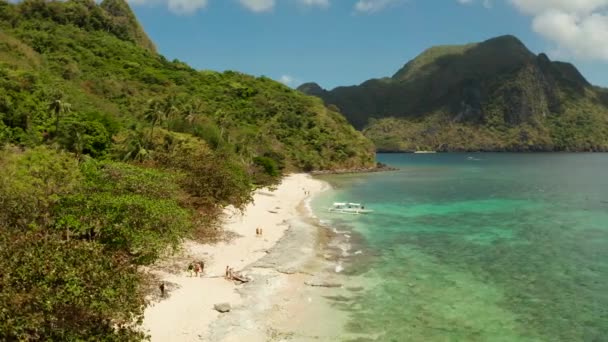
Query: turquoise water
[476,247]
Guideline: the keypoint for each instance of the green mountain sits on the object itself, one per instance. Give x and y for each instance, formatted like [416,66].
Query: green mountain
[104,65]
[490,96]
[111,155]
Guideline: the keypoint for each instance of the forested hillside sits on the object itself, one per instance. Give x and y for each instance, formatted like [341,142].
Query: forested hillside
[111,154]
[491,96]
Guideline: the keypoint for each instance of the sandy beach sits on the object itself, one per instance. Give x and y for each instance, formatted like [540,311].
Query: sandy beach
[187,313]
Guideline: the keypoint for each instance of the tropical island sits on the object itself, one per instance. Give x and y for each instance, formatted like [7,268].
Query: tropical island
[141,198]
[491,96]
[111,155]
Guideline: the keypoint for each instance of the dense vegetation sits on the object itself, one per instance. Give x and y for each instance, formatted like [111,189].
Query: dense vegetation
[491,96]
[111,155]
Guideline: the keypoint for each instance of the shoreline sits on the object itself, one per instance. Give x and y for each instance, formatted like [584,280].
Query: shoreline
[379,168]
[187,312]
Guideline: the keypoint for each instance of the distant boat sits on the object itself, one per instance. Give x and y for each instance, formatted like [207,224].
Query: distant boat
[349,208]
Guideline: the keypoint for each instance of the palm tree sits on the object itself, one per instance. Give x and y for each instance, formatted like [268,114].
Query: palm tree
[59,107]
[225,122]
[154,114]
[159,111]
[170,107]
[192,110]
[78,144]
[135,149]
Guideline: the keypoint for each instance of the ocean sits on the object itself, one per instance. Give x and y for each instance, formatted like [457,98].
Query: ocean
[473,247]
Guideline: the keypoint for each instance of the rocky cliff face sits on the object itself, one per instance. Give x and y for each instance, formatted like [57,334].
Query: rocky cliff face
[497,84]
[124,18]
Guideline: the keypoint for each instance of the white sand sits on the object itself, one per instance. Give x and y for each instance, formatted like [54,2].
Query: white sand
[188,311]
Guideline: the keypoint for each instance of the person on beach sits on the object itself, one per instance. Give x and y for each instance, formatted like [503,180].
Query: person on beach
[227,272]
[202,265]
[197,269]
[257,232]
[162,289]
[190,269]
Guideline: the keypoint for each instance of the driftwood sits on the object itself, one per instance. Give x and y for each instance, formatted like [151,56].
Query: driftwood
[239,277]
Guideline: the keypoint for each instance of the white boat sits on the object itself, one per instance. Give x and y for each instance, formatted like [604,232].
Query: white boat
[349,208]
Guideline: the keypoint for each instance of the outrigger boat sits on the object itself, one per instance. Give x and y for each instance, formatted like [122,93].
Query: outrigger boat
[349,208]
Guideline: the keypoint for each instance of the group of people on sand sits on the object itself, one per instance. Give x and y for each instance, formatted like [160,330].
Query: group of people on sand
[258,232]
[195,268]
[229,271]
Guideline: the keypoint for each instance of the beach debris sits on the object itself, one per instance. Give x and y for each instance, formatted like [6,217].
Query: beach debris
[222,307]
[355,288]
[234,275]
[273,211]
[288,270]
[322,283]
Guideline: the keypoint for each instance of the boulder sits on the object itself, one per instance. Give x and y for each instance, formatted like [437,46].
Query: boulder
[222,307]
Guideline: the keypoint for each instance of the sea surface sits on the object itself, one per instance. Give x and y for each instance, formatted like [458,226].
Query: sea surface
[473,247]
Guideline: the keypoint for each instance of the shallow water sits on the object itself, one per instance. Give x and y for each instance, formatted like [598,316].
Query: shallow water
[475,247]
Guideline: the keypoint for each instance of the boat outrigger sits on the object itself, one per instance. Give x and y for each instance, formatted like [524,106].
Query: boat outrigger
[349,208]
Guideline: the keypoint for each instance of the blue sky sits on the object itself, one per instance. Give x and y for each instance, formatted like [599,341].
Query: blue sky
[345,42]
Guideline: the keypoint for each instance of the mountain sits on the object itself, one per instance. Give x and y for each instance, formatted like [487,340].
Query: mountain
[99,59]
[490,96]
[111,155]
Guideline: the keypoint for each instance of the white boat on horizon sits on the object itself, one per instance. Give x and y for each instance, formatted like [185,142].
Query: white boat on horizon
[349,208]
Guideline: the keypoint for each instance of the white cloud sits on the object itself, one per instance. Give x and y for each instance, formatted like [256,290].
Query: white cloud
[571,6]
[186,6]
[182,7]
[577,27]
[258,6]
[584,37]
[314,3]
[485,3]
[287,80]
[371,6]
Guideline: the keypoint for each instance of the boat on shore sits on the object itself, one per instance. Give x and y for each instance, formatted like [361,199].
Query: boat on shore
[349,208]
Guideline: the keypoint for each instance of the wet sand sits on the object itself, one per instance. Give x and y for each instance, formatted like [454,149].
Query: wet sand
[289,276]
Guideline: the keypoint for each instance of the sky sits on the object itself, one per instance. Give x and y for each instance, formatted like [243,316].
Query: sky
[345,42]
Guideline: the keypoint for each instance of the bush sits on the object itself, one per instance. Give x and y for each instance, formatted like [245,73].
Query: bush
[269,166]
[32,184]
[57,290]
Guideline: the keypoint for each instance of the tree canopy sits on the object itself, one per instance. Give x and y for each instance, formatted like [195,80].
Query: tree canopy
[111,155]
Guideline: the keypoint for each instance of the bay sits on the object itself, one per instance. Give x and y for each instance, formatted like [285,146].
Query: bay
[474,247]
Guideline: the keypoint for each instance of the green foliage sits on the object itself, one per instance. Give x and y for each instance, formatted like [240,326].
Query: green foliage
[111,155]
[57,290]
[70,236]
[84,137]
[127,209]
[268,165]
[95,71]
[32,185]
[138,226]
[211,179]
